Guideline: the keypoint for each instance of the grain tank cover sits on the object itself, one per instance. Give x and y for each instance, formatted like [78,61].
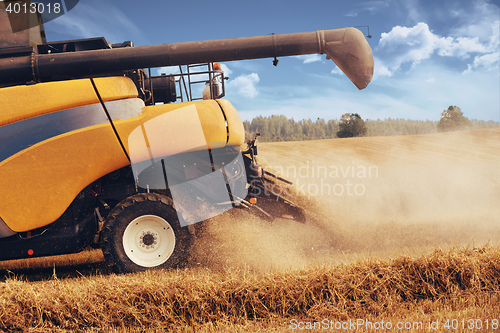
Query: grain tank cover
[24,41]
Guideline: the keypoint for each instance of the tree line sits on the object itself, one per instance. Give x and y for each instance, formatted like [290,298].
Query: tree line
[280,128]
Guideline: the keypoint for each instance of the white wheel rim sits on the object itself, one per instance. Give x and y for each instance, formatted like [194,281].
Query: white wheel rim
[149,241]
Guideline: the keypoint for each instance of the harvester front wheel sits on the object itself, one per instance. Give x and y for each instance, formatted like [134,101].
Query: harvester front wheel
[143,232]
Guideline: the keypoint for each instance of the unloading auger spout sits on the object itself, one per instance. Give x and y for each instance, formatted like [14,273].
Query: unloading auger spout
[347,47]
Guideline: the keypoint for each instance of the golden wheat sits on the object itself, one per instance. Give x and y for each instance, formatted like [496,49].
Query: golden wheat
[461,278]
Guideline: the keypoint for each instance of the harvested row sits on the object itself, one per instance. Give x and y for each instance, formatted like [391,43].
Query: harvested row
[170,299]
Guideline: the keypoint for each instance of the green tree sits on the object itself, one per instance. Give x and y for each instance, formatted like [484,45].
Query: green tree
[453,120]
[351,125]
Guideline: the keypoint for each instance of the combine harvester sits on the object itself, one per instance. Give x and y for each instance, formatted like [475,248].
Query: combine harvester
[96,151]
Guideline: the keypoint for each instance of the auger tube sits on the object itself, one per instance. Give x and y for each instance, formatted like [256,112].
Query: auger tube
[347,47]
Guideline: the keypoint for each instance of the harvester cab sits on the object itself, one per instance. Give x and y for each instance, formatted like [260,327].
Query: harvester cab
[95,149]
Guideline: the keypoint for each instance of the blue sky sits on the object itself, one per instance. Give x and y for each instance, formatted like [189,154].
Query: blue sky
[428,54]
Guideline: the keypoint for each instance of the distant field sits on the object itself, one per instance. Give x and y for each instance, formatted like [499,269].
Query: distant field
[400,192]
[385,214]
[376,196]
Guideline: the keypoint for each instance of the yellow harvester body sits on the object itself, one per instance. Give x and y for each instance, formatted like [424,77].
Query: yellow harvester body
[73,142]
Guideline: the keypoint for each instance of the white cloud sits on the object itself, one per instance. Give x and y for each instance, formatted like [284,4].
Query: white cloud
[380,69]
[175,70]
[404,44]
[94,18]
[420,95]
[432,88]
[488,62]
[476,18]
[372,7]
[245,85]
[414,13]
[309,58]
[413,45]
[226,70]
[460,47]
[337,71]
[168,70]
[430,79]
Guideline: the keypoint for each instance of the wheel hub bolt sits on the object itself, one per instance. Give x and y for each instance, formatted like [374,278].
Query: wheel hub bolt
[148,239]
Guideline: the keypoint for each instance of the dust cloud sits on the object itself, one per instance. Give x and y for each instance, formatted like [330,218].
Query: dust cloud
[367,197]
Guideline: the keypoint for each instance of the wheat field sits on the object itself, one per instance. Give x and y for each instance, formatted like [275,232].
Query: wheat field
[401,230]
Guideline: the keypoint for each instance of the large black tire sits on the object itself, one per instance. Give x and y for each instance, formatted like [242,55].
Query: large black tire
[143,232]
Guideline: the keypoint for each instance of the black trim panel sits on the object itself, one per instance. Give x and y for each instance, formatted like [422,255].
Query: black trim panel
[20,135]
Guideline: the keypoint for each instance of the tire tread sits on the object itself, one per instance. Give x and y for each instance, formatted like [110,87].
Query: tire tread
[113,219]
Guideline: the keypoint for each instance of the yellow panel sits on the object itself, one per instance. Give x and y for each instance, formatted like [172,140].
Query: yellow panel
[236,129]
[39,183]
[213,123]
[113,88]
[167,122]
[22,102]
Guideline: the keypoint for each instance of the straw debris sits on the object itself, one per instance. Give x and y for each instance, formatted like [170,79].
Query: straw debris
[168,299]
